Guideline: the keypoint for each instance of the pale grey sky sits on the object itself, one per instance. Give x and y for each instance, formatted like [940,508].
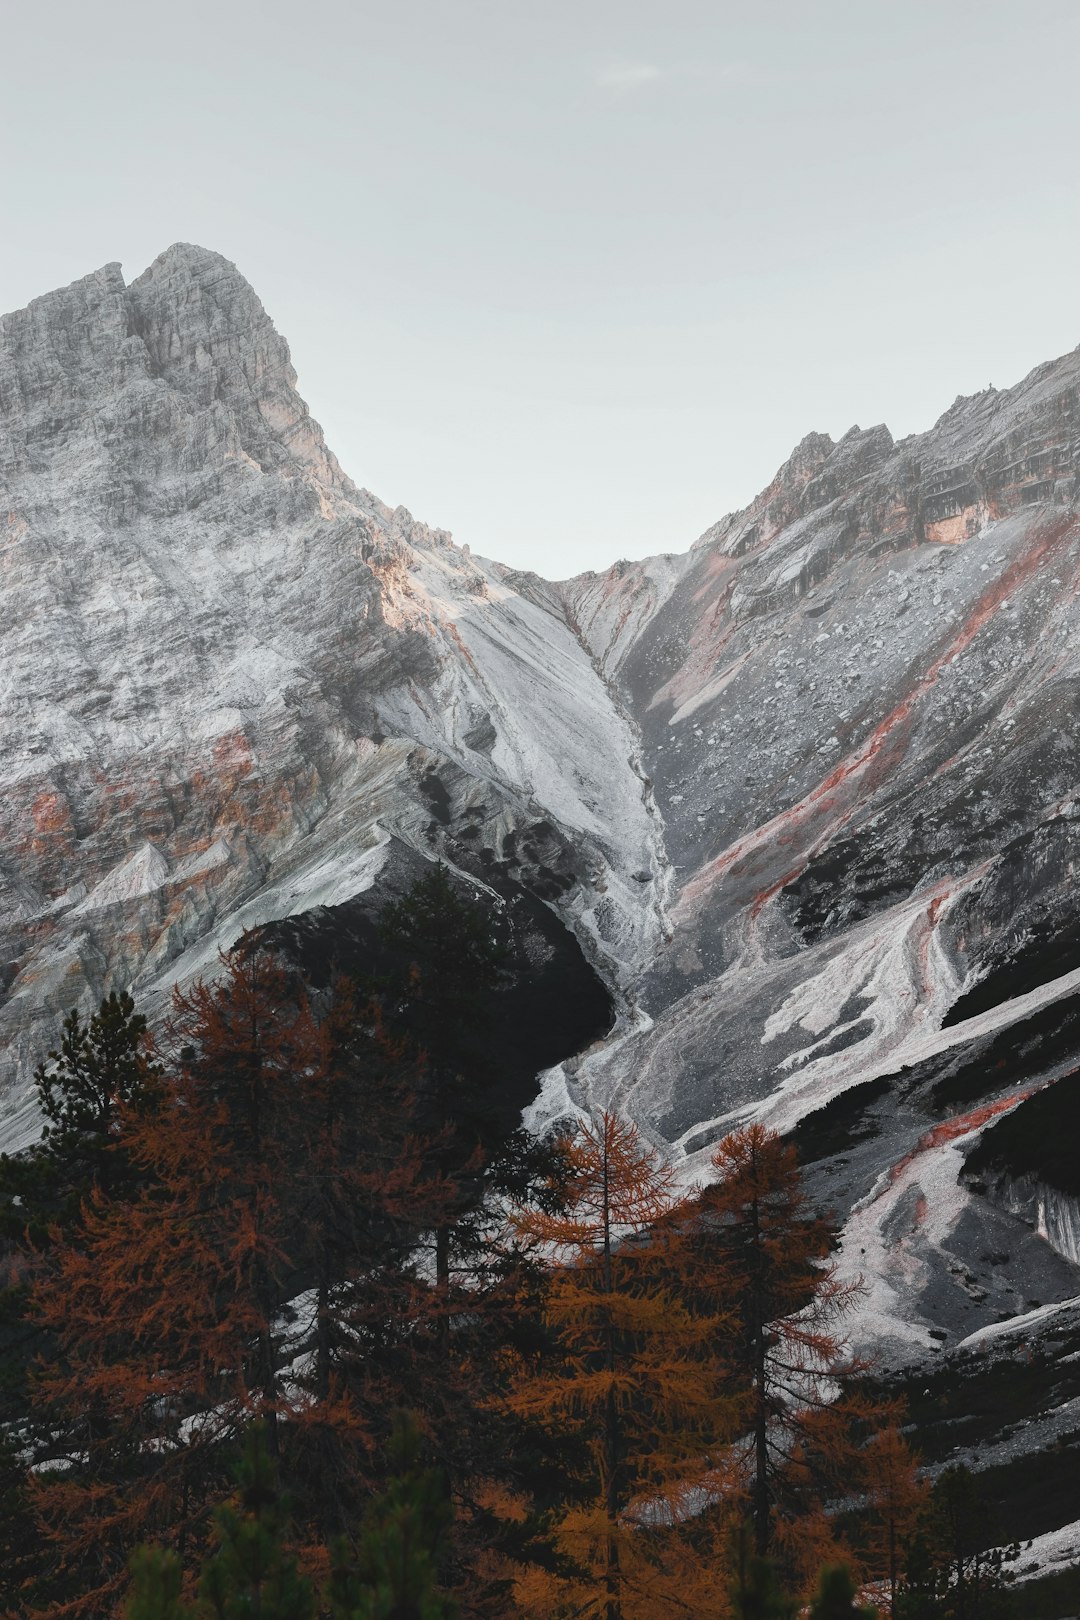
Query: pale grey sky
[571,277]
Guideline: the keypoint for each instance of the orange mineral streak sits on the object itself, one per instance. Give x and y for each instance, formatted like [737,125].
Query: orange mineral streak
[51,814]
[817,817]
[950,1129]
[232,754]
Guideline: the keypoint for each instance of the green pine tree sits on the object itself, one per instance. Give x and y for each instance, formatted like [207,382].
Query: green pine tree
[448,957]
[157,1577]
[835,1597]
[20,1552]
[403,1540]
[101,1067]
[252,1573]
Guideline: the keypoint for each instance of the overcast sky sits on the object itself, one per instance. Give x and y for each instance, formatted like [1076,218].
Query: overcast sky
[571,277]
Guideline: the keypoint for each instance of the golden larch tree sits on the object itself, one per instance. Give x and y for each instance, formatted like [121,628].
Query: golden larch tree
[628,1384]
[757,1245]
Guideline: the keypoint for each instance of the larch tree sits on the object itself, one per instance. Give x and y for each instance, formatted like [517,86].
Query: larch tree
[895,1499]
[166,1307]
[758,1246]
[626,1384]
[102,1072]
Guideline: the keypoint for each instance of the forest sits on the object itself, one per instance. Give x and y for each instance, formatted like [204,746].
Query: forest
[293,1324]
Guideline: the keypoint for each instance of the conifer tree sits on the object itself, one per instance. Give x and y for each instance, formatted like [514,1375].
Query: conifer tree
[835,1597]
[166,1309]
[103,1070]
[369,1189]
[252,1572]
[755,1590]
[403,1542]
[285,1152]
[955,1568]
[757,1246]
[450,959]
[157,1586]
[895,1498]
[19,1561]
[631,1384]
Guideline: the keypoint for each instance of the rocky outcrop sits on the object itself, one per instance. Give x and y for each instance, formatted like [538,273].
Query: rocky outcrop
[1053,1214]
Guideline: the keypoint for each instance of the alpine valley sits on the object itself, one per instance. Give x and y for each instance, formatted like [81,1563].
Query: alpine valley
[787,825]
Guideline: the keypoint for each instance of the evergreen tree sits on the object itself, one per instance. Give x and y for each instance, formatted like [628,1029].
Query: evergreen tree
[368,1191]
[19,1562]
[157,1587]
[103,1070]
[404,1541]
[252,1572]
[955,1570]
[102,1073]
[449,960]
[835,1597]
[755,1589]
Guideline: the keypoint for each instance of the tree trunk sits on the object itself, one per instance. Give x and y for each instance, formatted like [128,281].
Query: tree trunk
[442,1284]
[322,1329]
[761,1409]
[613,1610]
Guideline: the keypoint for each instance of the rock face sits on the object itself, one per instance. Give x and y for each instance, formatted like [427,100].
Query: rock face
[806,795]
[230,677]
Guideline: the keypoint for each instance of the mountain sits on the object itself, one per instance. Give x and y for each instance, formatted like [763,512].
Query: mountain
[804,797]
[235,684]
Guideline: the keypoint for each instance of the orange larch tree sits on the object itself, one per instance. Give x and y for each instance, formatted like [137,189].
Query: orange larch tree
[628,1386]
[270,1266]
[757,1245]
[895,1497]
[167,1308]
